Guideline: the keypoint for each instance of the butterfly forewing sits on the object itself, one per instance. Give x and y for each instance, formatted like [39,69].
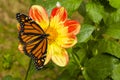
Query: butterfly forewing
[33,38]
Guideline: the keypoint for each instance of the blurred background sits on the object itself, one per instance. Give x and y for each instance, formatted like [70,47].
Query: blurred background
[13,63]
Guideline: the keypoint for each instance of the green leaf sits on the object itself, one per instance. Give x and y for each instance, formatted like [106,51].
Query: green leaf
[82,9]
[65,73]
[70,5]
[85,32]
[115,16]
[116,72]
[81,55]
[115,3]
[95,11]
[69,50]
[109,46]
[112,18]
[113,31]
[98,67]
[78,54]
[72,70]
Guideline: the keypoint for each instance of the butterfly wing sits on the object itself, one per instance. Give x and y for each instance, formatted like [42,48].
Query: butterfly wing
[33,38]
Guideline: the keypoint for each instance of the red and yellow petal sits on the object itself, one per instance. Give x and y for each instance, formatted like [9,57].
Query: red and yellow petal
[39,14]
[58,55]
[49,54]
[70,41]
[61,59]
[18,27]
[73,26]
[60,13]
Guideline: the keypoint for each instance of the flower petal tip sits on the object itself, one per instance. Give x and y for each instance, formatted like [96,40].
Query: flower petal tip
[20,48]
[61,59]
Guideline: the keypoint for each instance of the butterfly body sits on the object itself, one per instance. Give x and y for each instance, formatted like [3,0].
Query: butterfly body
[33,39]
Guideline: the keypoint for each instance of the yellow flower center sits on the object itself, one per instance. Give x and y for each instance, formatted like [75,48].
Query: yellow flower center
[53,34]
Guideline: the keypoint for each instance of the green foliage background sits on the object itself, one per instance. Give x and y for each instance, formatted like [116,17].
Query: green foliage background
[96,56]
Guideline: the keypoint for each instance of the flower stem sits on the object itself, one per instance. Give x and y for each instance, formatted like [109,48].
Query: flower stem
[76,60]
[28,70]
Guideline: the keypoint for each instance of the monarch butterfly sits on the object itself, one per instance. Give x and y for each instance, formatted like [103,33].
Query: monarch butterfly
[33,39]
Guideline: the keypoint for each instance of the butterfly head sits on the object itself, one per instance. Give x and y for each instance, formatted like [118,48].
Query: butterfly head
[45,35]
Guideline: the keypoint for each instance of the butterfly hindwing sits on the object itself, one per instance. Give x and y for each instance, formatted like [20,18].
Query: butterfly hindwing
[33,38]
